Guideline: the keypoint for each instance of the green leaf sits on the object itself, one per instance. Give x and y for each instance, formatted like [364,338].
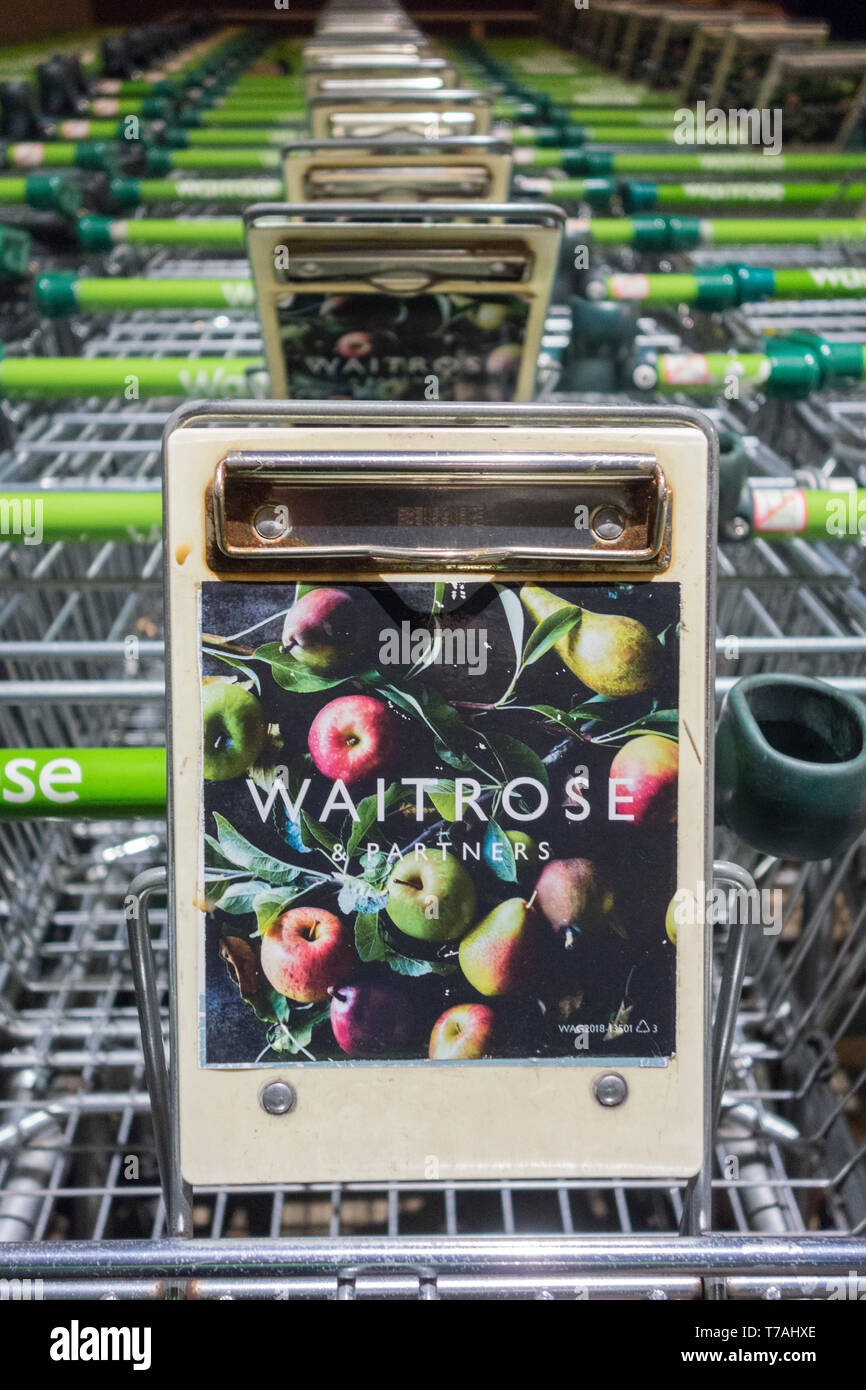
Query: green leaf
[367,812]
[444,798]
[515,617]
[375,867]
[517,759]
[663,716]
[499,854]
[548,632]
[556,716]
[237,850]
[406,965]
[357,895]
[248,671]
[319,832]
[295,1023]
[239,897]
[460,761]
[268,904]
[368,942]
[589,709]
[291,675]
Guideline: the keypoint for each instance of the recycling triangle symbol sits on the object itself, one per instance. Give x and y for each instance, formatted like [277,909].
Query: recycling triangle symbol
[643,1027]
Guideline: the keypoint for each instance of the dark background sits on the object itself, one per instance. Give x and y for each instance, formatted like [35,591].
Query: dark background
[847,17]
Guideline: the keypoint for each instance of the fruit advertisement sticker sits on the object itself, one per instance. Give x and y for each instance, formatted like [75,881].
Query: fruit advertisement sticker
[394,347]
[439,822]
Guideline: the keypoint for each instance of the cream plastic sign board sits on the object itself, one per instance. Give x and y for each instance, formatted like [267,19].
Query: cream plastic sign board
[440,748]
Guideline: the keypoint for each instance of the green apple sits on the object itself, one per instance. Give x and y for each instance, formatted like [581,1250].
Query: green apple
[500,954]
[431,899]
[234,730]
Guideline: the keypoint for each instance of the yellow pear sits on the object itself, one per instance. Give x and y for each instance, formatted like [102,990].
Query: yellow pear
[610,653]
[499,954]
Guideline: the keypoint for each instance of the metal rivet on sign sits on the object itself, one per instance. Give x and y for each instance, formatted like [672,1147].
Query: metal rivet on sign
[608,523]
[611,1089]
[271,523]
[279,1098]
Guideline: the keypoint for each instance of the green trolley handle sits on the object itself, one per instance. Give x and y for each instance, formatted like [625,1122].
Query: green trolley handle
[45,516]
[792,367]
[132,378]
[60,293]
[120,783]
[727,286]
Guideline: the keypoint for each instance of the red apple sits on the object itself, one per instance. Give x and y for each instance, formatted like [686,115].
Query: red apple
[353,738]
[372,1018]
[356,344]
[326,631]
[646,770]
[306,952]
[461,1033]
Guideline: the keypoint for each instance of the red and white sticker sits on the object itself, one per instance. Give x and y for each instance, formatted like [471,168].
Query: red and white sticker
[684,369]
[779,509]
[108,87]
[75,130]
[27,156]
[106,106]
[628,286]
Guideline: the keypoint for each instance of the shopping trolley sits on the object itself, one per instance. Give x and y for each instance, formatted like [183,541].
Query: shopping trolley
[781,1213]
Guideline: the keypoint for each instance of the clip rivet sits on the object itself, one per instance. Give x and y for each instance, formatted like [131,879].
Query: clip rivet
[279,1098]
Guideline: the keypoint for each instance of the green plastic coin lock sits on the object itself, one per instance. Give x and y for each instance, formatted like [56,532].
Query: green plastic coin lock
[791,766]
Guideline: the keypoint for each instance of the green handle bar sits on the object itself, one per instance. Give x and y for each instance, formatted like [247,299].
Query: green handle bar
[659,233]
[49,782]
[59,293]
[724,287]
[645,197]
[598,163]
[129,193]
[133,378]
[791,368]
[43,517]
[37,518]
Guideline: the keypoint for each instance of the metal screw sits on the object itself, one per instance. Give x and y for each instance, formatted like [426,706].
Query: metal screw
[644,376]
[271,523]
[737,529]
[608,523]
[279,1098]
[611,1089]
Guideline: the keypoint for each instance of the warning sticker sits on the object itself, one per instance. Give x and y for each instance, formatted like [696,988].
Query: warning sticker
[779,509]
[628,286]
[684,369]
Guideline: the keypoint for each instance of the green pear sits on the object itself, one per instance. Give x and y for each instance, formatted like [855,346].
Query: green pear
[610,653]
[431,899]
[499,954]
